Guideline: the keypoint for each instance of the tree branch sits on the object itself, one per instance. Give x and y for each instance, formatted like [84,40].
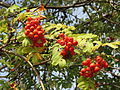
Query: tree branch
[22,57]
[111,73]
[101,84]
[4,4]
[77,4]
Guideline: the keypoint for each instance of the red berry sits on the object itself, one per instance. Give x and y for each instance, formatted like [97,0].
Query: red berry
[59,40]
[70,39]
[39,28]
[36,36]
[98,59]
[62,43]
[88,69]
[69,44]
[35,32]
[87,75]
[66,39]
[42,30]
[29,18]
[26,27]
[27,32]
[92,65]
[72,53]
[82,74]
[36,22]
[41,44]
[31,28]
[102,63]
[66,48]
[43,40]
[63,52]
[106,65]
[31,35]
[75,43]
[88,60]
[83,70]
[96,69]
[98,65]
[39,33]
[27,23]
[71,49]
[84,63]
[61,35]
[35,25]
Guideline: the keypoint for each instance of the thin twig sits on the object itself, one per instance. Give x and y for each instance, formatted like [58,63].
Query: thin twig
[22,57]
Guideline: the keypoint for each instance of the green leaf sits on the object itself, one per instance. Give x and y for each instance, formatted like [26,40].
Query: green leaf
[3,25]
[77,51]
[56,58]
[112,45]
[28,49]
[62,63]
[87,36]
[98,44]
[6,63]
[88,47]
[13,7]
[81,43]
[35,60]
[25,42]
[86,83]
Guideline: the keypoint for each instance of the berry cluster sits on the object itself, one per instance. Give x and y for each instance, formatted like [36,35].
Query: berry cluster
[93,67]
[35,32]
[69,43]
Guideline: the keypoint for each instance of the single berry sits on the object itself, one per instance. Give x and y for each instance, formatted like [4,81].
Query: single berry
[66,48]
[35,32]
[29,18]
[61,35]
[96,69]
[69,44]
[92,65]
[71,49]
[62,43]
[83,70]
[84,63]
[63,52]
[106,65]
[70,39]
[75,43]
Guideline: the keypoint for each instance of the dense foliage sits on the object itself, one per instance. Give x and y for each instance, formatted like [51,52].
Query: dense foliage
[59,44]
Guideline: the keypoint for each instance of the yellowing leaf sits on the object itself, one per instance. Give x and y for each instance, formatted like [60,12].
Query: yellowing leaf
[117,42]
[98,44]
[36,58]
[40,49]
[13,7]
[41,8]
[62,63]
[39,56]
[110,45]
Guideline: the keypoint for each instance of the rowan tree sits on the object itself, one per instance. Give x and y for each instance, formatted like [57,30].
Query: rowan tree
[59,44]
